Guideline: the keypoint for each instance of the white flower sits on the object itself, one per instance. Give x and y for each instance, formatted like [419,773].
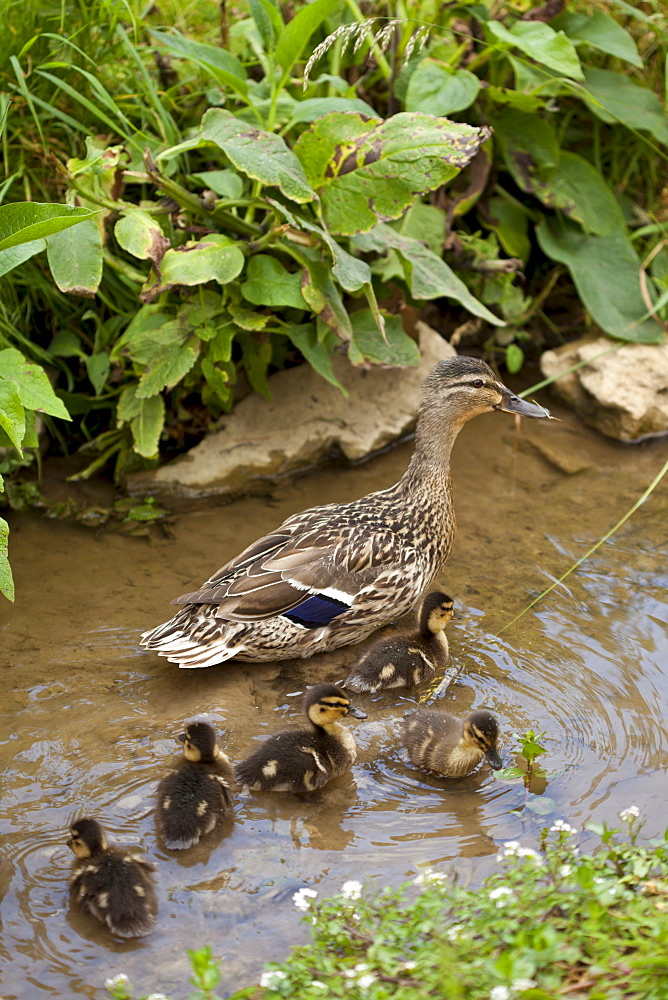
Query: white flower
[500,895]
[302,898]
[513,849]
[559,826]
[270,980]
[522,984]
[366,980]
[318,985]
[361,966]
[351,890]
[499,993]
[410,965]
[565,870]
[115,981]
[429,877]
[156,996]
[453,933]
[626,815]
[598,880]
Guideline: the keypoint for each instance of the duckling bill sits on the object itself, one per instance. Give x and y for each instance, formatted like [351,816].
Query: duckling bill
[446,745]
[113,885]
[303,760]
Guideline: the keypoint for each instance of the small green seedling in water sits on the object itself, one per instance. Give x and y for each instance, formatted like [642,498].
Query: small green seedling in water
[530,750]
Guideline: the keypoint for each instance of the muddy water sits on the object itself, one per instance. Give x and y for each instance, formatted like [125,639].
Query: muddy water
[89,720]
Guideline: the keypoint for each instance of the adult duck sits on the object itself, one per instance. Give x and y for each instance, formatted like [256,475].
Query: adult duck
[331,575]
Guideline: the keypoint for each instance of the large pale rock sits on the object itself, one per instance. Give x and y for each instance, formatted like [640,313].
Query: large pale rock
[621,392]
[304,420]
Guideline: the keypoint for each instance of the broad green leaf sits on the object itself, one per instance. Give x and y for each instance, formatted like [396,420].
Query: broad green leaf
[601,32]
[606,273]
[147,320]
[269,283]
[425,223]
[217,379]
[215,258]
[97,366]
[128,405]
[323,296]
[75,258]
[514,358]
[201,53]
[295,35]
[317,353]
[220,346]
[618,99]
[427,276]
[438,90]
[23,222]
[265,22]
[540,42]
[255,358]
[579,190]
[511,225]
[396,349]
[12,415]
[66,344]
[224,183]
[315,107]
[147,426]
[13,256]
[140,234]
[369,171]
[6,578]
[168,367]
[31,383]
[514,98]
[261,155]
[248,319]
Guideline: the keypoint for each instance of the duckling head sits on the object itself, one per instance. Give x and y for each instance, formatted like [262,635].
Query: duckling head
[467,387]
[199,743]
[326,704]
[481,731]
[87,838]
[437,610]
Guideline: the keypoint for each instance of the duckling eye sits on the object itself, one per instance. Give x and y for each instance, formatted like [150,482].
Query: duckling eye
[477,383]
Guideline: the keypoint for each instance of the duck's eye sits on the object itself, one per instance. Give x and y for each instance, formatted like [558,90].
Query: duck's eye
[322,708]
[477,383]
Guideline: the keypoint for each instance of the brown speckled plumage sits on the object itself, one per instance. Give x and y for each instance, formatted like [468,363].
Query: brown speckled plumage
[448,746]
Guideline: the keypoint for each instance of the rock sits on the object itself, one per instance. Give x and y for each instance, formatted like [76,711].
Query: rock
[304,421]
[622,391]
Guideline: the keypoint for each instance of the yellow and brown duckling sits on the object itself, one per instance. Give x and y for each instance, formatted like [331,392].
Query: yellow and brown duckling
[406,660]
[113,885]
[195,795]
[303,760]
[446,745]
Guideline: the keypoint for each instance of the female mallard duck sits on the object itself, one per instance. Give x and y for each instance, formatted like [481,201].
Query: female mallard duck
[332,575]
[406,660]
[303,760]
[112,884]
[442,743]
[196,794]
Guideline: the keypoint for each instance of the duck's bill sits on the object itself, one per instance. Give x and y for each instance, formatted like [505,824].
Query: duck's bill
[513,404]
[494,759]
[357,713]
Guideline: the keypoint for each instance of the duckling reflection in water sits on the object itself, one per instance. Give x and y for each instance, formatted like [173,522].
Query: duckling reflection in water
[303,760]
[443,744]
[113,885]
[406,660]
[195,795]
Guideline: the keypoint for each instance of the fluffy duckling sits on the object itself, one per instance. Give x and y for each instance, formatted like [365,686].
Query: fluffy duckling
[442,743]
[303,760]
[196,794]
[406,660]
[114,885]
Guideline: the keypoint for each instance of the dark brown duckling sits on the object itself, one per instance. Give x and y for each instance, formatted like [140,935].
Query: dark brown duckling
[112,884]
[448,746]
[406,660]
[303,760]
[195,795]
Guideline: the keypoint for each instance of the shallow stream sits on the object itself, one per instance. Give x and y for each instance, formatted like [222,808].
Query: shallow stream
[89,720]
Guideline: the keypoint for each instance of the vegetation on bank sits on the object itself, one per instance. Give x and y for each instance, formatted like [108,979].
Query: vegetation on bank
[551,922]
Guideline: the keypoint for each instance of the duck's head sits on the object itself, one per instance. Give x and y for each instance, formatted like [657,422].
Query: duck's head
[469,386]
[87,838]
[199,743]
[437,610]
[481,731]
[325,704]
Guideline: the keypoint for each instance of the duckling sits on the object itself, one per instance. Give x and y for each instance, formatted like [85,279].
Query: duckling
[302,760]
[114,885]
[406,660]
[441,743]
[196,795]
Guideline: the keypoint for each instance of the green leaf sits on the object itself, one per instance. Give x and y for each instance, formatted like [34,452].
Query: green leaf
[265,23]
[75,258]
[438,90]
[606,273]
[140,234]
[368,171]
[167,367]
[601,32]
[540,42]
[315,107]
[428,276]
[210,56]
[6,579]
[23,222]
[317,352]
[295,35]
[618,99]
[97,366]
[128,405]
[260,155]
[322,294]
[225,183]
[13,256]
[514,359]
[425,223]
[256,356]
[217,379]
[215,258]
[541,805]
[147,426]
[396,350]
[31,383]
[269,283]
[12,416]
[511,226]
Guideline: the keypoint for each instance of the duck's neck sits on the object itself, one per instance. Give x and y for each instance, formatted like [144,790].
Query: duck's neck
[435,435]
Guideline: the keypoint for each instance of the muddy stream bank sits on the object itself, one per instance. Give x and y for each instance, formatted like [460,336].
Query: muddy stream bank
[89,720]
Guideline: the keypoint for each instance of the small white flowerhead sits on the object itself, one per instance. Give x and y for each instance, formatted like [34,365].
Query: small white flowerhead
[302,898]
[156,996]
[518,985]
[365,981]
[565,870]
[117,982]
[513,849]
[270,980]
[318,985]
[499,993]
[454,933]
[361,967]
[409,965]
[351,890]
[501,894]
[627,815]
[430,877]
[559,826]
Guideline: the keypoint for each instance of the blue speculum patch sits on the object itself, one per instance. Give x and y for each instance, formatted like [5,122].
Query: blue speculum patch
[316,611]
